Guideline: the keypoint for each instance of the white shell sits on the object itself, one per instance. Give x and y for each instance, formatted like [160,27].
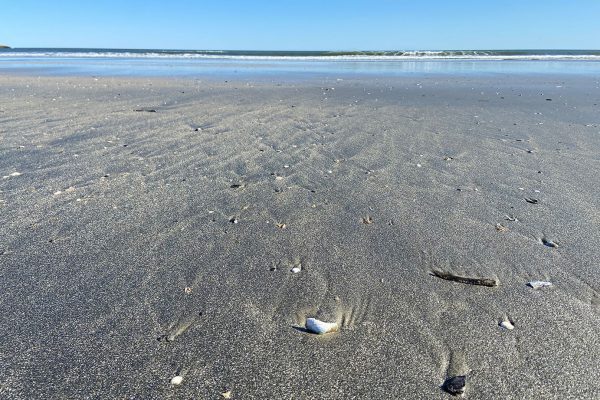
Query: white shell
[539,284]
[11,174]
[296,270]
[506,324]
[177,380]
[319,327]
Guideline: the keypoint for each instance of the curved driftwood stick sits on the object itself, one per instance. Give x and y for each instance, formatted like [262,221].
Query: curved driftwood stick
[491,282]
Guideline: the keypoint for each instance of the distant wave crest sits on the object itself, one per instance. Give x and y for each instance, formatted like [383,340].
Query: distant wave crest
[307,55]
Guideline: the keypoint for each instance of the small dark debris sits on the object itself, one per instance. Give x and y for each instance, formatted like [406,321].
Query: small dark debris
[531,200]
[548,99]
[145,110]
[549,243]
[233,220]
[455,385]
[236,186]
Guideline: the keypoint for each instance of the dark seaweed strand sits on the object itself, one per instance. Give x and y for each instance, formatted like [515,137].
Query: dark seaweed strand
[464,279]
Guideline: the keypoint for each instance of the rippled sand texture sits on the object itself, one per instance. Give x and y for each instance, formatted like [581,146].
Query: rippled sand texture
[194,237]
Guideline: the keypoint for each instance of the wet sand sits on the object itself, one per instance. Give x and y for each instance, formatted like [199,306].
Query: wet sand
[149,228]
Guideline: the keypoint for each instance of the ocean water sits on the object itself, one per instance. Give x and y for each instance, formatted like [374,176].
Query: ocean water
[228,63]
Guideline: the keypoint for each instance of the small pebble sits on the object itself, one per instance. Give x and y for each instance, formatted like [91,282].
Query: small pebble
[177,380]
[455,385]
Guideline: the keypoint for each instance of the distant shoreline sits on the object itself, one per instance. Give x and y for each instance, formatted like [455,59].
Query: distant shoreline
[373,55]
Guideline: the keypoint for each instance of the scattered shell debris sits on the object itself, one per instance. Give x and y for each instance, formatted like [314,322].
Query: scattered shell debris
[320,327]
[281,225]
[367,220]
[177,380]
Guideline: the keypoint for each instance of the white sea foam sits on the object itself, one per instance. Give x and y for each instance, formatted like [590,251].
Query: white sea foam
[221,55]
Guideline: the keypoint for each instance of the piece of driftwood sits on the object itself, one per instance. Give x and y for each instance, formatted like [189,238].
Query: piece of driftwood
[449,276]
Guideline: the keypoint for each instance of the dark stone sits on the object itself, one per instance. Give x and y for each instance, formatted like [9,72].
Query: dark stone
[455,385]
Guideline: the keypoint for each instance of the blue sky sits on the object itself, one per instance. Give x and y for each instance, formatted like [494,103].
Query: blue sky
[303,25]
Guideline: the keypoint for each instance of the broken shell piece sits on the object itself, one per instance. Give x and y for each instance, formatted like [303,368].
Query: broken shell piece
[11,175]
[319,327]
[177,380]
[296,269]
[506,324]
[367,220]
[455,385]
[501,228]
[539,284]
[549,243]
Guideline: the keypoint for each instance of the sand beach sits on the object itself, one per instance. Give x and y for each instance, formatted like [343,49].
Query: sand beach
[154,228]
